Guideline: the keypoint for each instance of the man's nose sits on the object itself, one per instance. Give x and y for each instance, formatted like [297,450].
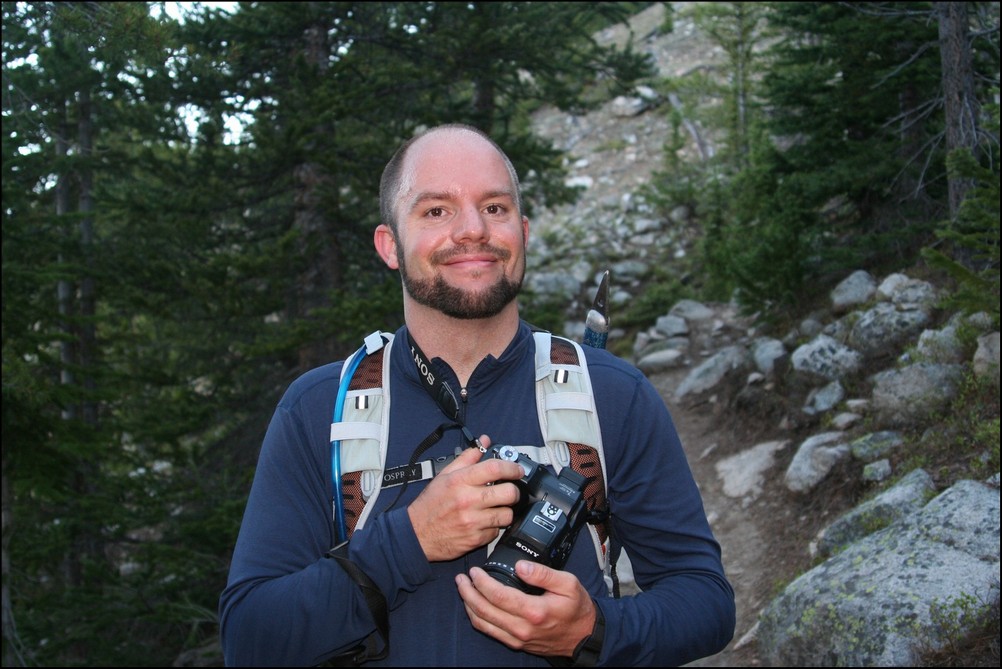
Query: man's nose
[470,224]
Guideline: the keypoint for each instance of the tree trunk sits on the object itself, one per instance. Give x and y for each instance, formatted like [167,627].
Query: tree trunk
[88,345]
[88,542]
[961,107]
[318,242]
[65,288]
[11,642]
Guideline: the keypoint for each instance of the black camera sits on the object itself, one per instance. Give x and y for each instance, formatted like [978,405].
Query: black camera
[550,512]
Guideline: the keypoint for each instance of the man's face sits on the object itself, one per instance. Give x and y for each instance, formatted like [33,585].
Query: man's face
[460,244]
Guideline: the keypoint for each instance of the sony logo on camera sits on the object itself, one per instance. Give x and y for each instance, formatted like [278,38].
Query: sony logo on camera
[527,549]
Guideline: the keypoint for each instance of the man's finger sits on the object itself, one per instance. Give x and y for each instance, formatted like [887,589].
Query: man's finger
[492,470]
[540,575]
[467,457]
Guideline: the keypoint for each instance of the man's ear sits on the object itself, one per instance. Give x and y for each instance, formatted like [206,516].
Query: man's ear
[386,245]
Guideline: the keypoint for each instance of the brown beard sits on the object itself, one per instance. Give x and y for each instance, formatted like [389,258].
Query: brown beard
[457,302]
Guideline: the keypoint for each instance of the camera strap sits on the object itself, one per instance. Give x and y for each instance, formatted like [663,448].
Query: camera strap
[440,391]
[443,395]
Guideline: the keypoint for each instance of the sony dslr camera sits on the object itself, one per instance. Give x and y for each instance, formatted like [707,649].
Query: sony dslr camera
[550,512]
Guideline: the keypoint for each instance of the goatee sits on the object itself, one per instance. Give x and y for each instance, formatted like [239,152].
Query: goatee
[458,302]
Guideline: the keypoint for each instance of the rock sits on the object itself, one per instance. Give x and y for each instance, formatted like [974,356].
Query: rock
[672,326]
[941,345]
[877,471]
[845,419]
[814,459]
[823,400]
[691,310]
[884,328]
[878,601]
[765,352]
[826,358]
[660,361]
[743,474]
[875,445]
[907,293]
[906,496]
[854,290]
[986,359]
[712,371]
[902,396]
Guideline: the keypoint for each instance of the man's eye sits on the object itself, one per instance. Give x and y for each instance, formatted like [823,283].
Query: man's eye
[436,212]
[494,209]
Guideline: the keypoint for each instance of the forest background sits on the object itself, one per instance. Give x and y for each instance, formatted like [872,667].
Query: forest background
[187,214]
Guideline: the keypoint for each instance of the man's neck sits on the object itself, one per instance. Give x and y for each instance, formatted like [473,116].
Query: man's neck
[462,343]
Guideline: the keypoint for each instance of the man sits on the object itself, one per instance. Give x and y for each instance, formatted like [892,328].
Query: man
[452,225]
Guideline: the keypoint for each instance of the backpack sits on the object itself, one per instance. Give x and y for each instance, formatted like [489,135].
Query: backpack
[565,406]
[568,420]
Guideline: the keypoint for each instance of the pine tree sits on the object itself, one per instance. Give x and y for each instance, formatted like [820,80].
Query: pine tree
[842,98]
[83,104]
[164,276]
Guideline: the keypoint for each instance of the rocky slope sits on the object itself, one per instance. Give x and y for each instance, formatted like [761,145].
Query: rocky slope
[613,153]
[787,434]
[801,478]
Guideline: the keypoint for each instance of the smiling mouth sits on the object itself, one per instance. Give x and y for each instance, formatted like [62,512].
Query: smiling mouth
[462,256]
[479,261]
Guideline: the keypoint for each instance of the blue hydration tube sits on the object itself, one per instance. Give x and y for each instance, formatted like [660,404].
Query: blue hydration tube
[340,524]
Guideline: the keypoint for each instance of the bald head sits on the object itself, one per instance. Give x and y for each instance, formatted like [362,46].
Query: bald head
[391,185]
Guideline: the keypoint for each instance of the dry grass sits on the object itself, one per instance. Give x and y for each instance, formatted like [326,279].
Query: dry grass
[979,648]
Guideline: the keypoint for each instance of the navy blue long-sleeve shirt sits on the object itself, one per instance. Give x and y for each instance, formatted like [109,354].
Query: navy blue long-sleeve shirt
[286,604]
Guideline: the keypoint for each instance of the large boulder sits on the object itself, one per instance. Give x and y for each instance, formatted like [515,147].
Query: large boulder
[883,598]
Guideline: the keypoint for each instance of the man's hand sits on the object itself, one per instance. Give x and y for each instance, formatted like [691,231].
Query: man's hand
[458,511]
[550,624]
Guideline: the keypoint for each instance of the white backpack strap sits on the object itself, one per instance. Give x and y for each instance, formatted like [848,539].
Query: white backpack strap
[364,429]
[539,454]
[568,419]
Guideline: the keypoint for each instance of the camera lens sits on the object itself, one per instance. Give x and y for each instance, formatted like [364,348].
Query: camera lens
[501,567]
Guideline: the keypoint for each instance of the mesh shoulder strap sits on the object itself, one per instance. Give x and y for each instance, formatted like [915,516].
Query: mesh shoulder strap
[363,432]
[585,458]
[569,422]
[362,436]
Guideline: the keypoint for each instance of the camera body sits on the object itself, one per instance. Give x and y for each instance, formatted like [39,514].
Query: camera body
[550,512]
